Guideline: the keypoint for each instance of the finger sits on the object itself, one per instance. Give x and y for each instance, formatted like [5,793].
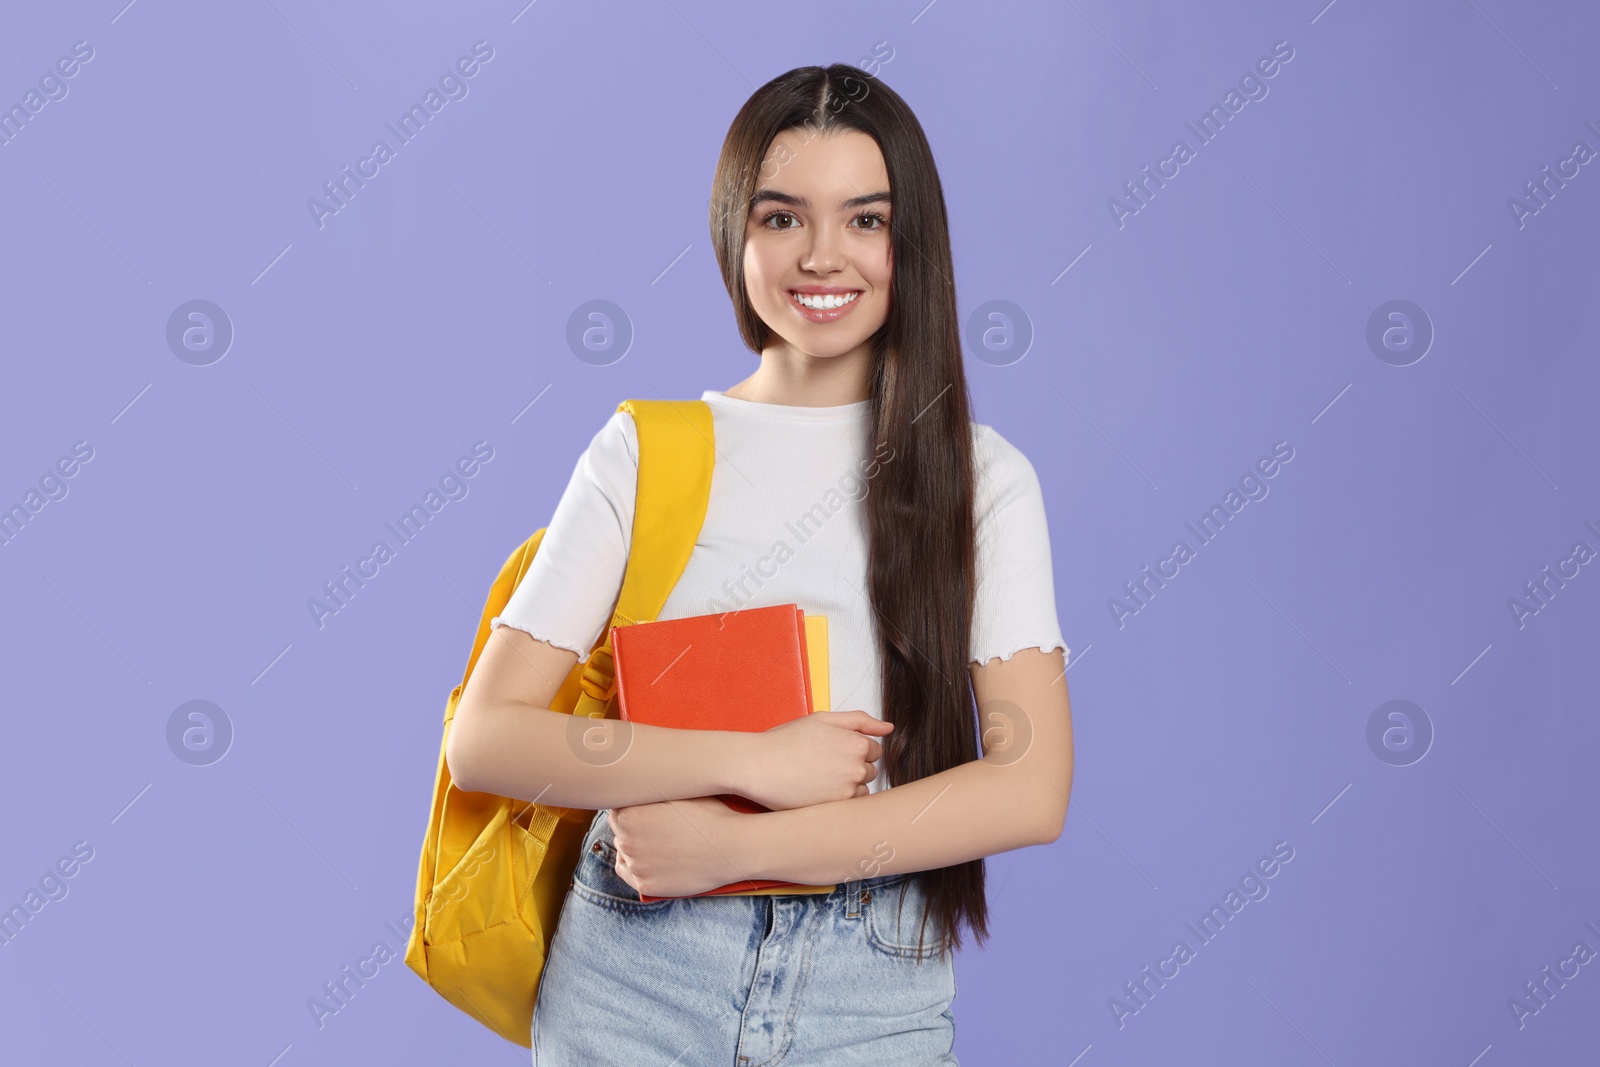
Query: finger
[871,725]
[862,790]
[860,720]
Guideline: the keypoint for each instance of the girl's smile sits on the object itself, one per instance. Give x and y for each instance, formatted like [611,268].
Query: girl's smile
[823,303]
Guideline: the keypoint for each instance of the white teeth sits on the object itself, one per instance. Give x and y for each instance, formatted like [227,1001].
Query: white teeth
[824,303]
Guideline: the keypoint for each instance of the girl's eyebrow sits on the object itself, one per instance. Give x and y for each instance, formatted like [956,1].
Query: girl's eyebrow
[772,195]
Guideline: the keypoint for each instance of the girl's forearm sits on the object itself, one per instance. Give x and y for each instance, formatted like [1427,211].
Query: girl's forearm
[972,810]
[517,750]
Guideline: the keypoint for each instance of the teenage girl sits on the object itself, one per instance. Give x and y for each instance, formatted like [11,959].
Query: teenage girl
[848,480]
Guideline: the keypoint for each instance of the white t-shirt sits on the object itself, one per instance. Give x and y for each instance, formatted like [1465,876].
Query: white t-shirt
[785,524]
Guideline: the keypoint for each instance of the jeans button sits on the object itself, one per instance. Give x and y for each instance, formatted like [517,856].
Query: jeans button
[866,896]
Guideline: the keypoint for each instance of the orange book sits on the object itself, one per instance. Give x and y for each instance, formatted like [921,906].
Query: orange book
[739,670]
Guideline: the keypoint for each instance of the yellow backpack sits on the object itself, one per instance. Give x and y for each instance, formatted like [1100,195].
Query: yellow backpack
[495,870]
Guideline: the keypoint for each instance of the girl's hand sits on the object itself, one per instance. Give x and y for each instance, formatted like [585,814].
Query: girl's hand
[677,848]
[823,756]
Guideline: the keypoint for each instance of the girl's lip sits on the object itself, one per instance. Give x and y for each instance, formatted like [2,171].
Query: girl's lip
[822,316]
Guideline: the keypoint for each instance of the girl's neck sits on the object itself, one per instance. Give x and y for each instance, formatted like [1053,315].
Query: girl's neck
[797,379]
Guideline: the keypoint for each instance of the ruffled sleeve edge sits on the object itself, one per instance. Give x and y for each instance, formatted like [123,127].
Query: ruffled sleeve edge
[1043,646]
[501,620]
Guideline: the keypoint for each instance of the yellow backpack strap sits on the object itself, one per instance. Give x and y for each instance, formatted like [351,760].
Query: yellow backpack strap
[676,454]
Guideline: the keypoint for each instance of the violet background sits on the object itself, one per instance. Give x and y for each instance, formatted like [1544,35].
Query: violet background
[1229,314]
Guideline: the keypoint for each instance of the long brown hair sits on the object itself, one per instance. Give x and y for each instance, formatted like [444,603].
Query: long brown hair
[921,554]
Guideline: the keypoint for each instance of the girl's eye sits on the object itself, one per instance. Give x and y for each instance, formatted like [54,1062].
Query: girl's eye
[877,221]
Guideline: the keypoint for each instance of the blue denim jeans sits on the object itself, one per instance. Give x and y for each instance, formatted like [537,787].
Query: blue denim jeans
[801,980]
